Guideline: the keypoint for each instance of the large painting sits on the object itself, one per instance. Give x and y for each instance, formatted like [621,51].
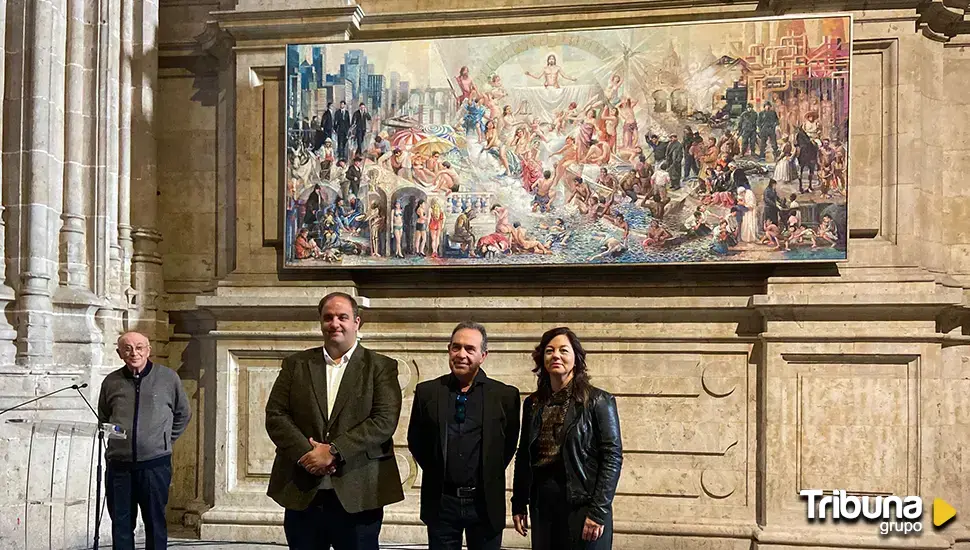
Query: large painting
[714,142]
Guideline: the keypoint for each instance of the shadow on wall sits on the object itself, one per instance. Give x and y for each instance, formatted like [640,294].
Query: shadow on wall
[193,466]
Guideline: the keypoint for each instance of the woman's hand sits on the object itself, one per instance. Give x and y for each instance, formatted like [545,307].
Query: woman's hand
[521,523]
[592,530]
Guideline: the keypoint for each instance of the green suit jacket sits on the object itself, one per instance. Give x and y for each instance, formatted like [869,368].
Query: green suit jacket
[364,417]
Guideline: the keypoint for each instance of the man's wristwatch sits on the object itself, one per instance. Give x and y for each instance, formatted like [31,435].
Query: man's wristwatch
[334,452]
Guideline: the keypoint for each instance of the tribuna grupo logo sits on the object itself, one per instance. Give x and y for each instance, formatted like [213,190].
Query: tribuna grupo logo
[895,515]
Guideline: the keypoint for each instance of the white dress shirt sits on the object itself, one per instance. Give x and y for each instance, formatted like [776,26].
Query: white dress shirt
[335,373]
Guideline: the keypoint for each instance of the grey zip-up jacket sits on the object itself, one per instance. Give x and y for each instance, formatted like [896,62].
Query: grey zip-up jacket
[152,408]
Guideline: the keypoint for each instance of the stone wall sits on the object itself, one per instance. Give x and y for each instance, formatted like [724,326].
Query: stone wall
[79,241]
[736,386]
[140,180]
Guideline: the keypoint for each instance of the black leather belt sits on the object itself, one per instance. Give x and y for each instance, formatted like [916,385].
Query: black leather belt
[460,492]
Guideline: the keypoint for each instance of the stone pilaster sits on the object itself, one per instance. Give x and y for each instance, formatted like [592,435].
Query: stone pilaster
[79,144]
[76,335]
[128,67]
[7,332]
[110,318]
[36,43]
[146,268]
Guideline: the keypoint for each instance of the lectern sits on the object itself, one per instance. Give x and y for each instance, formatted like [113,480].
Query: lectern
[63,474]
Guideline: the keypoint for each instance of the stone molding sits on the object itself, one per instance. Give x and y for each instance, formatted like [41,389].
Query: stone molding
[274,27]
[940,20]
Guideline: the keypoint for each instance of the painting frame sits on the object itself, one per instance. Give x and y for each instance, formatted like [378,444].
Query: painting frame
[291,232]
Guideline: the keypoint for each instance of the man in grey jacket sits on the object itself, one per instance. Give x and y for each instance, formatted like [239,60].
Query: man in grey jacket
[146,400]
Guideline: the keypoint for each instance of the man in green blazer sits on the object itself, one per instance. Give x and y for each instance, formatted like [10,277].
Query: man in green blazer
[332,413]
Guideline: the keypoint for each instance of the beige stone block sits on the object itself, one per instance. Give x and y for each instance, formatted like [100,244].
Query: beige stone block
[909,107]
[955,173]
[953,403]
[955,71]
[910,61]
[944,470]
[188,151]
[190,192]
[181,111]
[865,167]
[909,161]
[956,208]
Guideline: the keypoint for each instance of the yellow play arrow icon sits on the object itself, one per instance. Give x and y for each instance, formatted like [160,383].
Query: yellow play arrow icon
[942,512]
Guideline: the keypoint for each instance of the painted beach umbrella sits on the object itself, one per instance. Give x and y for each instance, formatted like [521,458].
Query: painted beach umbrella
[446,132]
[440,130]
[406,138]
[433,144]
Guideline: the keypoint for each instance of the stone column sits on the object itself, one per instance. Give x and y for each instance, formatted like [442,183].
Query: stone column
[146,269]
[34,146]
[7,333]
[110,317]
[128,66]
[81,63]
[77,338]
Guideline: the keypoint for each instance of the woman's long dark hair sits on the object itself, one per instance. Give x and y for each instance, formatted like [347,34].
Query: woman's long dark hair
[580,381]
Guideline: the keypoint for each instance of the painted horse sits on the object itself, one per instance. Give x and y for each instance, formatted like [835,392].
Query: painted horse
[807,155]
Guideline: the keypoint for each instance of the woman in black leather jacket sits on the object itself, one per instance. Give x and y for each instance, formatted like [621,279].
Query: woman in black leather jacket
[569,457]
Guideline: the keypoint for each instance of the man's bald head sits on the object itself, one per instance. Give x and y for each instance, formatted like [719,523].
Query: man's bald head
[134,349]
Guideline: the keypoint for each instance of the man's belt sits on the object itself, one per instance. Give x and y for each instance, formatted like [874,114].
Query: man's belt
[460,492]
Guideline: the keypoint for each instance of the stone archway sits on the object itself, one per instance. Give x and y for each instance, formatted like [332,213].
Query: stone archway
[379,197]
[526,43]
[405,194]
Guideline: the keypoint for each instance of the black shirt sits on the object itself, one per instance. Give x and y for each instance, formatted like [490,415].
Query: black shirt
[464,461]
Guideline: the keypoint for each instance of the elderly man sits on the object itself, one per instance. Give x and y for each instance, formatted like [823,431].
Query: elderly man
[147,400]
[332,413]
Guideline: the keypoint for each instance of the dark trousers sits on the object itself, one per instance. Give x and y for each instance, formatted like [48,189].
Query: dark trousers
[130,487]
[749,143]
[557,524]
[325,523]
[457,515]
[342,138]
[675,175]
[690,165]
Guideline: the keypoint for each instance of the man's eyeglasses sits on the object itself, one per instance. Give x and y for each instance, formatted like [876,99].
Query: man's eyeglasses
[128,350]
[460,402]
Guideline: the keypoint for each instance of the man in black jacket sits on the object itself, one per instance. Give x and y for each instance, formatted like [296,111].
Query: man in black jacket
[327,122]
[341,124]
[675,160]
[463,432]
[360,122]
[350,187]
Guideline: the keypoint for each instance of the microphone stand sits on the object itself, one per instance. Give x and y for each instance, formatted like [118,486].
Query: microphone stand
[45,396]
[97,513]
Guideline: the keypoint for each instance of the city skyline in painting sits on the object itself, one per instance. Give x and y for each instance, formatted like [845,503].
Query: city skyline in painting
[714,142]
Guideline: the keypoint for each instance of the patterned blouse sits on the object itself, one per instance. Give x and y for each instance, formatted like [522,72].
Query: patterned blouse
[552,430]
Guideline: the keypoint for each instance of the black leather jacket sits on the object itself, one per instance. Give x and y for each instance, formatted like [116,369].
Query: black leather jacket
[591,450]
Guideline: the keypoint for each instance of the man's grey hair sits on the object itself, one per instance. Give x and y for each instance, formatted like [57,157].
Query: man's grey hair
[472,325]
